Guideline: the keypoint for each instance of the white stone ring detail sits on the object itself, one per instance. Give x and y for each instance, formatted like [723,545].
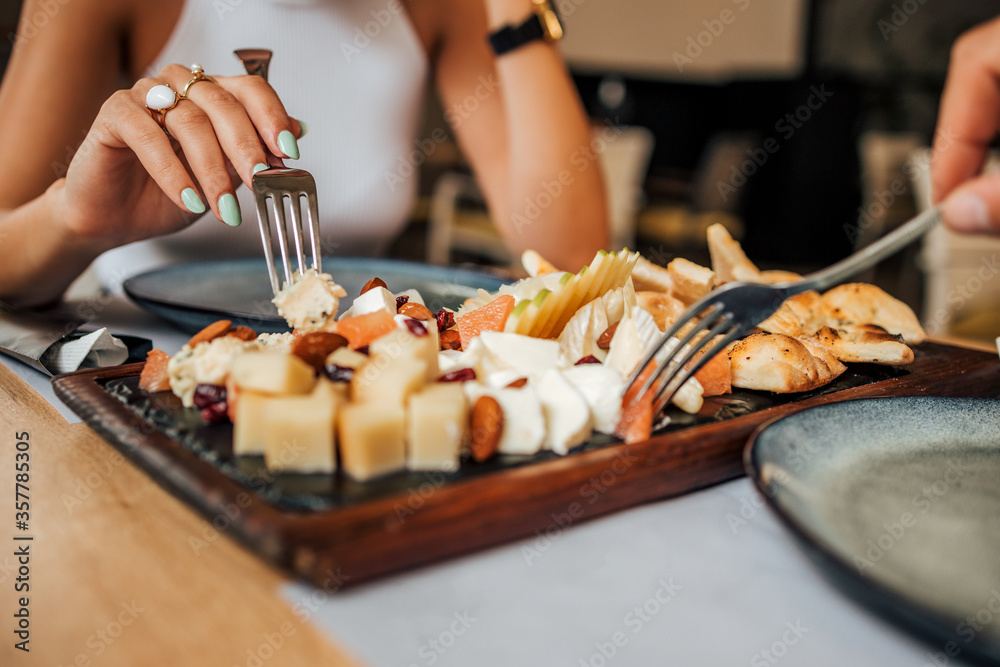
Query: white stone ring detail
[162,98]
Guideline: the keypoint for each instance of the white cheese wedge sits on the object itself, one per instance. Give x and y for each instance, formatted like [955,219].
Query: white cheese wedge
[602,388]
[299,431]
[523,422]
[530,357]
[436,421]
[387,381]
[372,301]
[501,379]
[401,344]
[579,337]
[414,296]
[635,337]
[567,416]
[452,360]
[372,439]
[273,372]
[626,350]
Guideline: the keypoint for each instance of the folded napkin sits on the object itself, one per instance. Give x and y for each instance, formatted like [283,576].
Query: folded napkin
[53,344]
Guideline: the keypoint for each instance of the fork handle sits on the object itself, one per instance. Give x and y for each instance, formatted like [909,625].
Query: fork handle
[870,255]
[255,61]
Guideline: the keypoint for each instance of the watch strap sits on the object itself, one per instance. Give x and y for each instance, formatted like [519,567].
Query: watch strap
[510,37]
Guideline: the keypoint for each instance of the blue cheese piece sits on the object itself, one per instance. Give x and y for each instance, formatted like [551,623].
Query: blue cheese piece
[311,302]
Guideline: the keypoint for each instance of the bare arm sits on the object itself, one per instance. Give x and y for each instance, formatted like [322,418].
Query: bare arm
[523,128]
[968,122]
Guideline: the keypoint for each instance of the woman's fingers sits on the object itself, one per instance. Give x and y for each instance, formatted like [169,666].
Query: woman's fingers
[278,130]
[233,129]
[190,125]
[135,128]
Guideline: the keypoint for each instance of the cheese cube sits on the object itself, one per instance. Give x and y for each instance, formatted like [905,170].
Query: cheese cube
[250,420]
[388,381]
[345,357]
[436,422]
[273,372]
[374,300]
[371,439]
[299,431]
[401,343]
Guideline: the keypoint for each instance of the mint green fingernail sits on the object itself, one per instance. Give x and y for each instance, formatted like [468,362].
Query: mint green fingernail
[288,145]
[230,210]
[303,128]
[192,201]
[260,166]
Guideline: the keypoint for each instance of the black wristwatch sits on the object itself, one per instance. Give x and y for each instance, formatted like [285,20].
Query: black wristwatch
[543,24]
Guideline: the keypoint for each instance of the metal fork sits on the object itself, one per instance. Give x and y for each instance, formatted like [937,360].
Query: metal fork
[731,311]
[270,189]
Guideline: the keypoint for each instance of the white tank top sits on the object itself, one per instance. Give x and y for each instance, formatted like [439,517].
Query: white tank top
[354,70]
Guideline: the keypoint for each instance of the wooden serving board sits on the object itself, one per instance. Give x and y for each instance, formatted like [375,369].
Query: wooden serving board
[363,532]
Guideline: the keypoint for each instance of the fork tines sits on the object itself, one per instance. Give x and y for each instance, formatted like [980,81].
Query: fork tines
[677,361]
[271,187]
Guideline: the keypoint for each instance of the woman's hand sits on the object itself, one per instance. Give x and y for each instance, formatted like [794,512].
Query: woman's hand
[968,122]
[130,180]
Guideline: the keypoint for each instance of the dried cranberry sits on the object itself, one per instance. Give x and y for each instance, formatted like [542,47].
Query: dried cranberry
[589,359]
[362,350]
[215,413]
[460,375]
[338,373]
[400,300]
[416,327]
[445,319]
[206,395]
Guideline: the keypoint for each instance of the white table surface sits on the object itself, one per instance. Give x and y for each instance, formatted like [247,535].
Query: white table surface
[714,591]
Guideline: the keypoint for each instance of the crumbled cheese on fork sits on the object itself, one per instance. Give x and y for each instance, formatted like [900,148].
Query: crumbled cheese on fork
[311,302]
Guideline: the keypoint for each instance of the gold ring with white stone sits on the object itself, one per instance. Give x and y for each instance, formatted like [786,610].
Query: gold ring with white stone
[197,74]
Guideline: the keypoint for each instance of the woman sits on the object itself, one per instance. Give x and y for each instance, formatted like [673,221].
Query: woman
[352,68]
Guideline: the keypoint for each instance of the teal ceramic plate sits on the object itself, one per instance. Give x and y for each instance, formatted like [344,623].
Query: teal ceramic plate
[191,296]
[898,500]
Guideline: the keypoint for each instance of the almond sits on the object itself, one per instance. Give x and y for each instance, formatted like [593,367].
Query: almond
[315,346]
[372,284]
[416,311]
[211,332]
[243,333]
[518,383]
[604,342]
[449,339]
[487,428]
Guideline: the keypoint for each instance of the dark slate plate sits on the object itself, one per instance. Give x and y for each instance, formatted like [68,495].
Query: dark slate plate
[192,296]
[898,500]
